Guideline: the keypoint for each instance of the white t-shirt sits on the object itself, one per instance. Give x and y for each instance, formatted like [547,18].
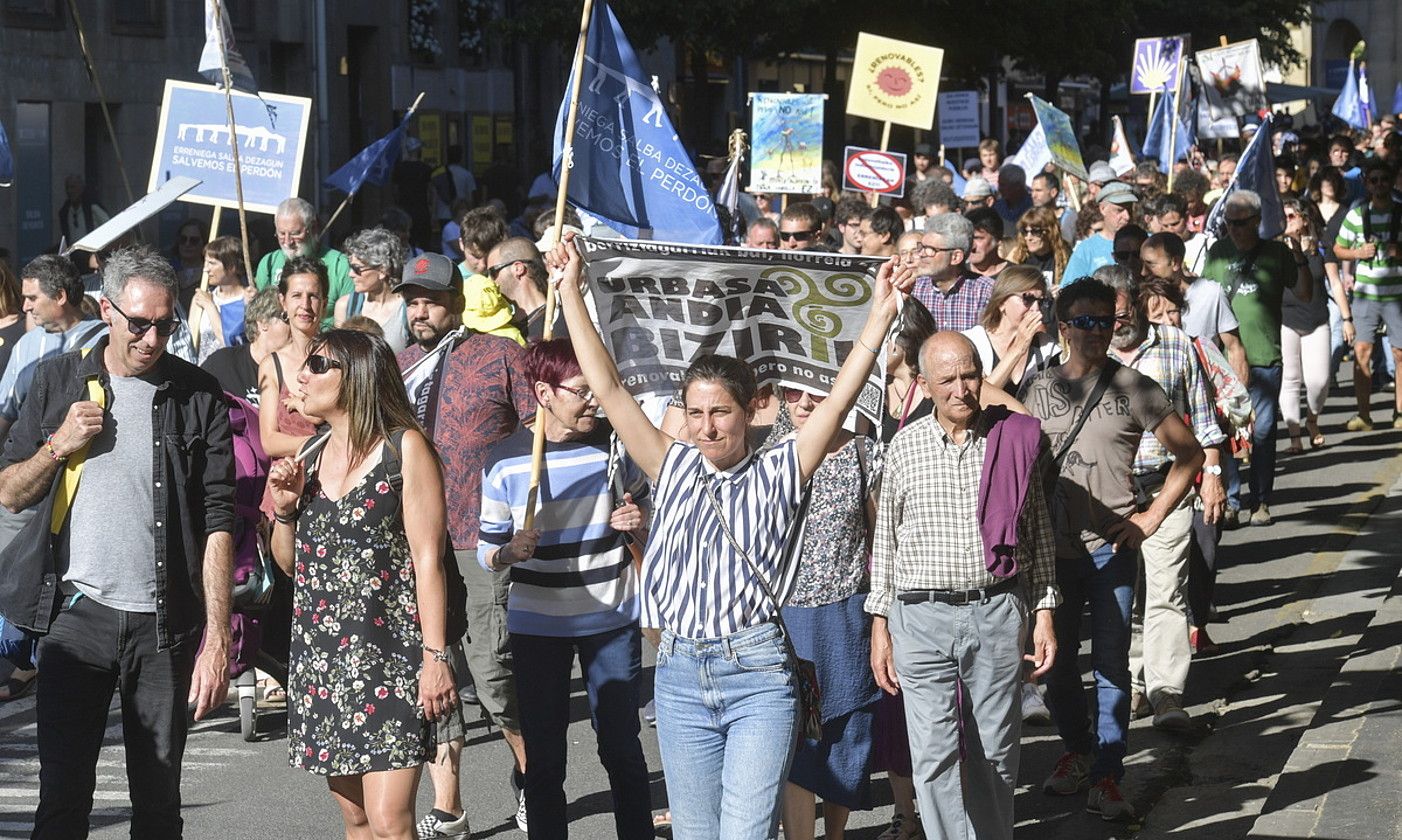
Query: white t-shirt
[1208,312]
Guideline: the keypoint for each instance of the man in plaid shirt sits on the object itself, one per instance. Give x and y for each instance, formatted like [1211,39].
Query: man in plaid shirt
[1166,355]
[954,295]
[941,619]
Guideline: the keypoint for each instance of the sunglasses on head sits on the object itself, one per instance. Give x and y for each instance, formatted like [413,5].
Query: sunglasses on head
[1091,323]
[138,326]
[319,364]
[800,235]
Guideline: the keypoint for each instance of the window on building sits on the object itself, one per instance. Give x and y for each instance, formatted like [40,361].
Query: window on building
[138,17]
[34,14]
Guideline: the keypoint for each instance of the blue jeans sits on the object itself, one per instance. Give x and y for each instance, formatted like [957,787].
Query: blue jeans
[1264,388]
[1105,580]
[611,663]
[727,722]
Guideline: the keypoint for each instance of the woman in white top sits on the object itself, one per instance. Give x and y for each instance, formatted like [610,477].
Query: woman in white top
[376,258]
[216,313]
[1012,338]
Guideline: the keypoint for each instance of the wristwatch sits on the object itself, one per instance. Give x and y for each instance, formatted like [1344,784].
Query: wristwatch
[1212,469]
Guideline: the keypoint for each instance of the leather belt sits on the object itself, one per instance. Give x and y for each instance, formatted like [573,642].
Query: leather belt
[958,597]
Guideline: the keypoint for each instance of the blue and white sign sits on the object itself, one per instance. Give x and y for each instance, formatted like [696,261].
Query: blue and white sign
[193,140]
[1156,62]
[959,119]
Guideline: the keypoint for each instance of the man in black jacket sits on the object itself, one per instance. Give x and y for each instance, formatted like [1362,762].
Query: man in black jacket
[125,451]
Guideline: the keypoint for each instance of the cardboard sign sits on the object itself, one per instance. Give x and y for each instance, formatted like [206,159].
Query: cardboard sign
[1156,63]
[1232,82]
[872,170]
[959,119]
[192,139]
[144,208]
[786,131]
[894,81]
[1061,138]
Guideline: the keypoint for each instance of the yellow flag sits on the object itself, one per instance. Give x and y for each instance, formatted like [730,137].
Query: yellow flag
[895,81]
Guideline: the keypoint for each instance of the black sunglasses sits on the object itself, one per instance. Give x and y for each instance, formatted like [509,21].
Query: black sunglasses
[357,269]
[1031,299]
[138,326]
[319,364]
[492,270]
[800,235]
[1091,322]
[1242,222]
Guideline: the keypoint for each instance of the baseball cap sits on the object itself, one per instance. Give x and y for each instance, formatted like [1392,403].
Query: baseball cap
[1117,192]
[1101,172]
[923,149]
[431,271]
[978,188]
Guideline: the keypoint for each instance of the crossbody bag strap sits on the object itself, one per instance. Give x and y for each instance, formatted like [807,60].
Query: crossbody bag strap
[73,468]
[1101,383]
[745,555]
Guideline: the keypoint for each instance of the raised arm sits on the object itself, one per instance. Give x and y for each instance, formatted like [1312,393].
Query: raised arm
[646,444]
[895,277]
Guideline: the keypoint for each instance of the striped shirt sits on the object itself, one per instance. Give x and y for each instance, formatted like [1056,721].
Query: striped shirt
[694,583]
[1381,277]
[1168,357]
[927,526]
[581,580]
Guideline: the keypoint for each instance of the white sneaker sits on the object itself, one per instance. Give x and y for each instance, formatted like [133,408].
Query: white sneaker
[1034,708]
[520,801]
[439,824]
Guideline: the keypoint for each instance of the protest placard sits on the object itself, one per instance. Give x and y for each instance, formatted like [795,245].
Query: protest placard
[192,139]
[1156,63]
[793,315]
[894,81]
[959,119]
[1060,138]
[786,132]
[1232,80]
[144,208]
[873,171]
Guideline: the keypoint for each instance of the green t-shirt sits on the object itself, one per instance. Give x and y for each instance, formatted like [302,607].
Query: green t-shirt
[1379,278]
[1259,292]
[337,270]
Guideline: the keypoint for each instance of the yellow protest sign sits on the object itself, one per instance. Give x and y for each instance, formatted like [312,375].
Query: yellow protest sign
[895,81]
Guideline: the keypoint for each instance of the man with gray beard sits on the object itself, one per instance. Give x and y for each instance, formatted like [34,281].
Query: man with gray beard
[298,232]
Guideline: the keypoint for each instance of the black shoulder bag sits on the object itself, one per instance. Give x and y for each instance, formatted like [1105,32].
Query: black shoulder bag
[810,695]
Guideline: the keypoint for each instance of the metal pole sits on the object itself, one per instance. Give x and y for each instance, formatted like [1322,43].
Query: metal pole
[233,130]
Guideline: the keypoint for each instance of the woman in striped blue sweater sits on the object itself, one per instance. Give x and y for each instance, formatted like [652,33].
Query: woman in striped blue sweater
[725,687]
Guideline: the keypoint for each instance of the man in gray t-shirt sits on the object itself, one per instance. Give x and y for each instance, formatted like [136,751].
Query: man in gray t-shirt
[1098,530]
[1207,311]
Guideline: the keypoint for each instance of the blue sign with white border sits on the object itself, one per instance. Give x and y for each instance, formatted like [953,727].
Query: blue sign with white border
[193,140]
[1156,62]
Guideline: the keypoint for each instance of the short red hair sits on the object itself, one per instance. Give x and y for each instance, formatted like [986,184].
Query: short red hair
[551,362]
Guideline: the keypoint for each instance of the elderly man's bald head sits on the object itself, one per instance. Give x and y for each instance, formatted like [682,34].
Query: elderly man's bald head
[948,346]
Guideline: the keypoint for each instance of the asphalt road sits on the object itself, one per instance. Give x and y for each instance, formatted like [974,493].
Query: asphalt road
[1294,598]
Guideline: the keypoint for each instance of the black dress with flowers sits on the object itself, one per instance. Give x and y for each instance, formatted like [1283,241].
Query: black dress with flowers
[352,697]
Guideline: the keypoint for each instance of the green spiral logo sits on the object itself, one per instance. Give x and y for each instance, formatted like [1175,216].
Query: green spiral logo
[814,301]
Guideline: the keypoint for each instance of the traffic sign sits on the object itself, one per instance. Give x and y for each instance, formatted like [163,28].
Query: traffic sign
[872,170]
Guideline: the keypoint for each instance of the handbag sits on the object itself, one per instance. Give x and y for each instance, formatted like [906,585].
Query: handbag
[810,694]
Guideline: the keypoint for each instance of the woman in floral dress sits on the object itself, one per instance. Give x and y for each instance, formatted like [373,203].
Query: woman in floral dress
[368,671]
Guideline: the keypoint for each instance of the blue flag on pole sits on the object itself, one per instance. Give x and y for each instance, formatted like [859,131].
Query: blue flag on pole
[629,168]
[7,160]
[1349,106]
[1165,119]
[1397,99]
[1256,172]
[1365,94]
[373,164]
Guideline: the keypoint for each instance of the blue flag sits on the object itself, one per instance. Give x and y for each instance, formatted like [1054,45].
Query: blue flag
[1397,99]
[1165,119]
[7,160]
[1349,106]
[628,167]
[373,164]
[1256,172]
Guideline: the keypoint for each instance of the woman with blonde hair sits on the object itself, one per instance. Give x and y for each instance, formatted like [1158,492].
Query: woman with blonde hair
[1012,338]
[1039,244]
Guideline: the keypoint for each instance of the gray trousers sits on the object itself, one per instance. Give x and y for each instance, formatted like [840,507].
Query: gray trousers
[941,652]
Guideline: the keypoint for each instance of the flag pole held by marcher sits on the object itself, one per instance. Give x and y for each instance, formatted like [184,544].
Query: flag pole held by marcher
[538,444]
[345,202]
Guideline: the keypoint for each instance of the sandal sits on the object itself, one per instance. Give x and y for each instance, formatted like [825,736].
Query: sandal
[1294,448]
[274,693]
[662,824]
[17,686]
[1316,436]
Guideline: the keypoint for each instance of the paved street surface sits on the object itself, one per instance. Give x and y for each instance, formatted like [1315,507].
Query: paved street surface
[1299,715]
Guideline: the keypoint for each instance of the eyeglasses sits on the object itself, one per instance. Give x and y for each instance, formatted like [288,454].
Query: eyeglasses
[930,249]
[584,394]
[357,270]
[319,364]
[1033,231]
[1243,222]
[793,395]
[1031,299]
[138,326]
[1090,323]
[190,240]
[800,235]
[492,270]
